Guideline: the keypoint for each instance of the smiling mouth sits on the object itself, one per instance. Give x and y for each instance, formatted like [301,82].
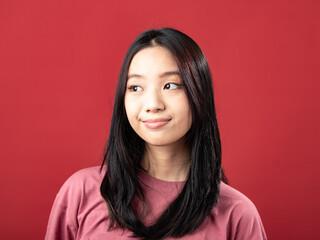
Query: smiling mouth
[156,123]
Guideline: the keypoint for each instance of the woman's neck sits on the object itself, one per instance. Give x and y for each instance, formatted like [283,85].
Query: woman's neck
[169,163]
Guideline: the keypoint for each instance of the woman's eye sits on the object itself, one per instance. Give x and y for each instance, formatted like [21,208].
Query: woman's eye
[171,86]
[135,88]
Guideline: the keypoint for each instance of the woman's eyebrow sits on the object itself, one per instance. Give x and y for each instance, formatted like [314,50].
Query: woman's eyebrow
[162,75]
[170,73]
[134,76]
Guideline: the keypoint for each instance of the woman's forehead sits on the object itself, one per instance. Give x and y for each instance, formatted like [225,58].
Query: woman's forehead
[153,60]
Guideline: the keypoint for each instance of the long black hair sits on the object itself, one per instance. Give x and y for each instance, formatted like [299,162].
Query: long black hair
[125,149]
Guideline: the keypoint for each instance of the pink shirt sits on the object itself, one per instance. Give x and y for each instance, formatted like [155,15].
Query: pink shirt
[79,211]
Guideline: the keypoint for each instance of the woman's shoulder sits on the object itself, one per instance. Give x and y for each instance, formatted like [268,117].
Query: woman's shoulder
[87,173]
[83,180]
[77,191]
[239,214]
[233,202]
[229,197]
[78,199]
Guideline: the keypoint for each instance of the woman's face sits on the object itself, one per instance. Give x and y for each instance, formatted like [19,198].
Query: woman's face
[155,100]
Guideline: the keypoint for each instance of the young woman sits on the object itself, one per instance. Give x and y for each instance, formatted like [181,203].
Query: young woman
[161,177]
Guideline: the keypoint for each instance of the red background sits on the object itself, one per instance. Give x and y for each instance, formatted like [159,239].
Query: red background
[59,62]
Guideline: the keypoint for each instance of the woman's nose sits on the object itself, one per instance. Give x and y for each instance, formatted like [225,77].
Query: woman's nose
[154,102]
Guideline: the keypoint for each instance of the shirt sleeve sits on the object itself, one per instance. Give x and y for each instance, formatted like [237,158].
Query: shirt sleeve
[63,223]
[249,224]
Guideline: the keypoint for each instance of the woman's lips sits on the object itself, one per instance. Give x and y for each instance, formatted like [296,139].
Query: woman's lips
[156,123]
